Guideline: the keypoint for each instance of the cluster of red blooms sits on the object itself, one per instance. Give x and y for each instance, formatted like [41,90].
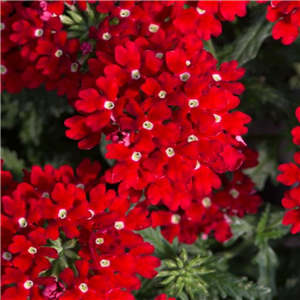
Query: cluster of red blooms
[55,217]
[164,107]
[287,16]
[291,177]
[213,211]
[37,48]
[140,76]
[63,233]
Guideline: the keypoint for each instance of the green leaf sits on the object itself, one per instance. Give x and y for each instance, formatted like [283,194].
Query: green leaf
[70,244]
[267,166]
[32,126]
[76,17]
[238,288]
[12,162]
[66,20]
[263,220]
[268,262]
[247,45]
[239,228]
[163,248]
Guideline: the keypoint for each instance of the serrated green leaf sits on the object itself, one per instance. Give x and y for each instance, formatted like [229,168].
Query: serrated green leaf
[248,44]
[267,166]
[239,228]
[66,20]
[12,162]
[82,28]
[163,248]
[264,219]
[70,244]
[268,262]
[76,17]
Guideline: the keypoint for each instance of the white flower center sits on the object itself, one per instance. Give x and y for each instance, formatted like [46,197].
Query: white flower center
[58,53]
[38,32]
[136,156]
[192,138]
[106,36]
[62,214]
[162,94]
[216,77]
[147,125]
[28,284]
[234,193]
[119,225]
[170,152]
[92,214]
[188,62]
[32,250]
[159,55]
[217,118]
[193,103]
[2,26]
[185,76]
[99,241]
[200,11]
[74,67]
[104,263]
[7,256]
[206,202]
[124,13]
[135,74]
[109,105]
[45,195]
[153,28]
[80,186]
[198,165]
[3,69]
[83,287]
[22,222]
[175,219]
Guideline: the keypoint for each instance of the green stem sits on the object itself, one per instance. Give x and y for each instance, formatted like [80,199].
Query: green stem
[239,248]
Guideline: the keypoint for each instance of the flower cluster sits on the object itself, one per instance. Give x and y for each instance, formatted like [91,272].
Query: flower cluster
[211,213]
[286,14]
[162,103]
[64,235]
[43,45]
[291,177]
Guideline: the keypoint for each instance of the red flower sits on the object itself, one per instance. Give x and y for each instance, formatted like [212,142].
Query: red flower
[32,251]
[296,131]
[67,208]
[54,53]
[83,286]
[292,217]
[290,174]
[26,286]
[164,297]
[288,13]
